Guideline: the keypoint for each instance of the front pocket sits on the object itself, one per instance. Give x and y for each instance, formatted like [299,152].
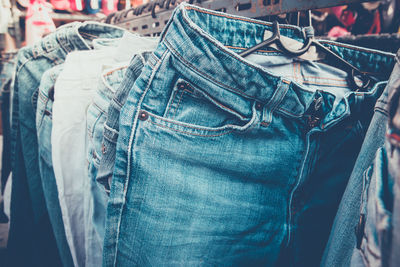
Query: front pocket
[194,106]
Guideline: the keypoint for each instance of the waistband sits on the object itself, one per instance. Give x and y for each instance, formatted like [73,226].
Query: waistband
[205,42]
[76,36]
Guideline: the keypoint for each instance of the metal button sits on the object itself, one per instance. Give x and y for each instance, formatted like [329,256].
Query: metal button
[47,113]
[258,105]
[143,115]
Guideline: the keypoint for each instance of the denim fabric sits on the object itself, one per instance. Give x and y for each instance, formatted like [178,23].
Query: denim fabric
[111,126]
[222,162]
[6,76]
[394,158]
[73,92]
[96,117]
[342,240]
[43,126]
[376,213]
[29,222]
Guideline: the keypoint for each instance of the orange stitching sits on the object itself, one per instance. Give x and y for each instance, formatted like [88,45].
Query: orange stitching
[237,18]
[180,124]
[113,70]
[318,83]
[189,132]
[287,82]
[179,102]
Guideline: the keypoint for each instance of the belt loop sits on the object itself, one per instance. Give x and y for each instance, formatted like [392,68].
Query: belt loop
[280,92]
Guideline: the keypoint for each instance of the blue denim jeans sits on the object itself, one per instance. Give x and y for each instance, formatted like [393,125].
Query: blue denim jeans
[43,126]
[342,240]
[6,79]
[223,162]
[111,126]
[96,117]
[373,247]
[29,221]
[394,159]
[358,204]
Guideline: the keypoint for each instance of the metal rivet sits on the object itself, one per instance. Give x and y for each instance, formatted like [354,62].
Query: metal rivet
[181,85]
[258,105]
[143,115]
[47,113]
[103,149]
[94,155]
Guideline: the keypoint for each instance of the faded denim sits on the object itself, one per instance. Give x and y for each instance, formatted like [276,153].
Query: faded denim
[223,162]
[29,219]
[96,117]
[357,206]
[376,209]
[394,159]
[343,238]
[111,126]
[44,125]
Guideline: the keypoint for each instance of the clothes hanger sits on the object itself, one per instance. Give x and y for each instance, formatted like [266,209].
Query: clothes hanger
[355,76]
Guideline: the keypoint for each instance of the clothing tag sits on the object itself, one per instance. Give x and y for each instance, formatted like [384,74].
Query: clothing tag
[312,54]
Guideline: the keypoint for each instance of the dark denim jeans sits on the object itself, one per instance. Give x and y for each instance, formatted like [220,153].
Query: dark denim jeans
[224,162]
[30,228]
[6,79]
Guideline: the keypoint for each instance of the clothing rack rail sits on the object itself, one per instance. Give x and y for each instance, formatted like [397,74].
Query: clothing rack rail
[149,19]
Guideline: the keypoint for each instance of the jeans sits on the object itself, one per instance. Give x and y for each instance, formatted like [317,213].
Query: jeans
[373,247]
[221,161]
[394,159]
[111,126]
[96,117]
[73,92]
[29,220]
[342,240]
[348,229]
[44,125]
[6,79]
